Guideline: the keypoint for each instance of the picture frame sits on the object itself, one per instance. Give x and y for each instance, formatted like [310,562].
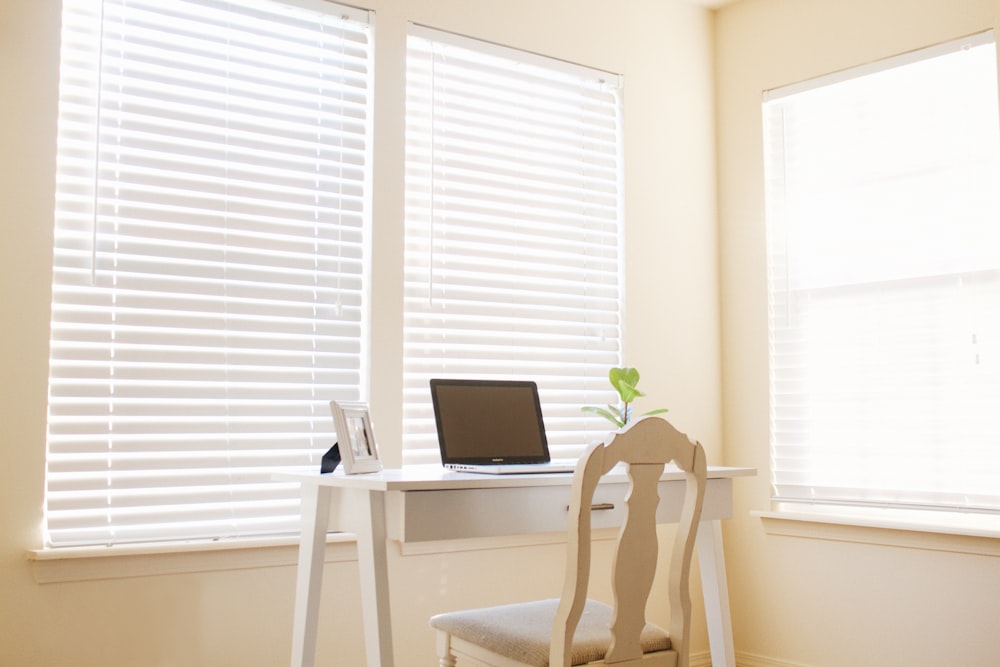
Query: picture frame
[355,437]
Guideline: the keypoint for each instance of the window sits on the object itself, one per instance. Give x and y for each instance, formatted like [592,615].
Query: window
[211,234]
[883,202]
[513,230]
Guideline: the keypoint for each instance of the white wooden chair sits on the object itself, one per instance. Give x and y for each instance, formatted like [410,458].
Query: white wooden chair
[574,630]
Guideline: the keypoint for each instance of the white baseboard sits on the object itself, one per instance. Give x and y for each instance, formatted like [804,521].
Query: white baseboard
[700,659]
[743,659]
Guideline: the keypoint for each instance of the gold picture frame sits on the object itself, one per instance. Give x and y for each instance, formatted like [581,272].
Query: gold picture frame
[355,437]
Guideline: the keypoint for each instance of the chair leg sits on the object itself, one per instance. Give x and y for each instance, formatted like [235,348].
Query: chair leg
[446,659]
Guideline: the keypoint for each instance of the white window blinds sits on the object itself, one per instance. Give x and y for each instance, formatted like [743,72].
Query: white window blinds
[210,262]
[883,191]
[513,230]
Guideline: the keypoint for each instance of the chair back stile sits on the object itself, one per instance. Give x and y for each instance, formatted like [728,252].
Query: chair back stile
[588,473]
[679,576]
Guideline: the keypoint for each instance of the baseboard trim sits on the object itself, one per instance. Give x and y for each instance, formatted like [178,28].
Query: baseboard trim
[700,659]
[744,659]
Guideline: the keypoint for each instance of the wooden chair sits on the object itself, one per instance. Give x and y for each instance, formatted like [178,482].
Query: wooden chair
[574,630]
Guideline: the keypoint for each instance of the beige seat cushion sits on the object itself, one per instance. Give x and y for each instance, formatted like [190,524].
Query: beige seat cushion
[523,631]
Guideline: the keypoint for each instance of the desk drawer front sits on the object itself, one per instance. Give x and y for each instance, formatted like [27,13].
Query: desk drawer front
[492,512]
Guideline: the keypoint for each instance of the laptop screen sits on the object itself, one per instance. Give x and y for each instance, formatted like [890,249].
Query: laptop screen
[489,421]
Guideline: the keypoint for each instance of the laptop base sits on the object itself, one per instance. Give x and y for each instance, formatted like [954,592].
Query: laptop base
[556,466]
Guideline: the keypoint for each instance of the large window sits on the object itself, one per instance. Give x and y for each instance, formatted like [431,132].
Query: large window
[210,262]
[513,230]
[883,217]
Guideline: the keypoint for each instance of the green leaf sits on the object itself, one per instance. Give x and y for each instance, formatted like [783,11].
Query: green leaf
[628,393]
[624,381]
[660,411]
[607,414]
[629,376]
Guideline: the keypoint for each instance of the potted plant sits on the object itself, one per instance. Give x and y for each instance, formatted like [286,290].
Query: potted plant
[624,380]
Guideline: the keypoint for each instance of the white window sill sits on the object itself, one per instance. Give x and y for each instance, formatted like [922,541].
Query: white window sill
[142,560]
[955,532]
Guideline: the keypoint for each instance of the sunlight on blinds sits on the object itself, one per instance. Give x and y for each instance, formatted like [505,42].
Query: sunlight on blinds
[883,191]
[513,230]
[210,264]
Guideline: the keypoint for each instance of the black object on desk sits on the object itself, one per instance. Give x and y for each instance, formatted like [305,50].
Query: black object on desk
[331,459]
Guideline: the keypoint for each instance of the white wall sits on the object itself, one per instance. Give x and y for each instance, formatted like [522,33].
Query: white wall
[243,616]
[814,601]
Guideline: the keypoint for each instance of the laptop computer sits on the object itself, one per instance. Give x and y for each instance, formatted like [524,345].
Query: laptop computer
[492,426]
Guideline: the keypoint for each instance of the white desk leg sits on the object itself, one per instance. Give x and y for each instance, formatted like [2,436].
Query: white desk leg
[373,566]
[309,577]
[716,591]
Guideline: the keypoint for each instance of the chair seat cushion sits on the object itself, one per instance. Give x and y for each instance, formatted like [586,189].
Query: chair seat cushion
[523,631]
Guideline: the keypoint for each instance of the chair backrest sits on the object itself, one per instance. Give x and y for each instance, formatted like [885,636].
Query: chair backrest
[646,446]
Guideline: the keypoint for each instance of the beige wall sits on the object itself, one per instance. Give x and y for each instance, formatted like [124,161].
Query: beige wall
[242,616]
[816,602]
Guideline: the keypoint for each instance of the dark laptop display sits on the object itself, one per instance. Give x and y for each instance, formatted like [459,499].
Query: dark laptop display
[488,425]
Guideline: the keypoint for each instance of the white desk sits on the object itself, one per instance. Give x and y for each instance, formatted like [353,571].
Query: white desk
[428,503]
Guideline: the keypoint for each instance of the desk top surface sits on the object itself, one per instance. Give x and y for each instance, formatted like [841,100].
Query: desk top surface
[432,477]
